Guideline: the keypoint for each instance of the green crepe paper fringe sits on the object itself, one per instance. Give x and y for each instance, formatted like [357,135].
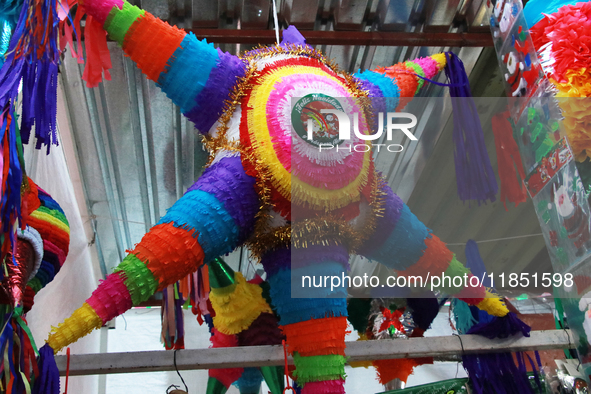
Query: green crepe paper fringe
[138,278]
[358,310]
[55,213]
[455,269]
[35,284]
[419,71]
[119,21]
[463,316]
[318,368]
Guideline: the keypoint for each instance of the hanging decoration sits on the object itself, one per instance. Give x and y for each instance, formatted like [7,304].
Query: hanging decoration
[268,188]
[508,161]
[40,250]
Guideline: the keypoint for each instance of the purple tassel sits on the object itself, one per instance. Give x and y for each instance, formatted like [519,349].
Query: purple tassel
[48,381]
[497,373]
[474,174]
[501,327]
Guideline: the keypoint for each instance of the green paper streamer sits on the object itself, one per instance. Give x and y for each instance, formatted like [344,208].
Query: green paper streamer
[214,386]
[274,379]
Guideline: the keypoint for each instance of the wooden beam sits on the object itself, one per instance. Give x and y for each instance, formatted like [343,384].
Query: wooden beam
[107,363]
[378,38]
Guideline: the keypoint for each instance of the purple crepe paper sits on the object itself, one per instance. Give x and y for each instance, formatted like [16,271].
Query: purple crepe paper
[210,102]
[292,36]
[228,182]
[474,174]
[385,224]
[276,260]
[48,381]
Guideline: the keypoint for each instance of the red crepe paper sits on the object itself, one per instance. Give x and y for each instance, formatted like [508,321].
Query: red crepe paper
[568,31]
[391,319]
[98,58]
[508,160]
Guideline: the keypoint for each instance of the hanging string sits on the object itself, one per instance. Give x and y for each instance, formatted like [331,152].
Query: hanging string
[178,373]
[287,386]
[67,369]
[449,244]
[276,20]
[498,239]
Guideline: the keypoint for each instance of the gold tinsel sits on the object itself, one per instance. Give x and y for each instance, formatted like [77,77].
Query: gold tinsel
[325,230]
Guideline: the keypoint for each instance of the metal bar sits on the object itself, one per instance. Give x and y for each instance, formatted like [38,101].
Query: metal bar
[314,37]
[100,145]
[136,130]
[253,356]
[114,164]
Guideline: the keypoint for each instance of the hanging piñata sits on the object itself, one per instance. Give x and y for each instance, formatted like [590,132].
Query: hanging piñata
[270,188]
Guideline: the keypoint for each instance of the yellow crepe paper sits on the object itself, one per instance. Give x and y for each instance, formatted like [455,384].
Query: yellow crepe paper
[235,311]
[83,321]
[262,145]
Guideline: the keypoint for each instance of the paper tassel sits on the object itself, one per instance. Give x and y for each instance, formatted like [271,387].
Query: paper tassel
[48,381]
[173,333]
[508,161]
[17,347]
[274,377]
[474,174]
[98,57]
[11,178]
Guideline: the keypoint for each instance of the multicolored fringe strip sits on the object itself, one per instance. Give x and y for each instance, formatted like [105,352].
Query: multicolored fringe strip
[27,370]
[243,317]
[405,244]
[196,76]
[208,221]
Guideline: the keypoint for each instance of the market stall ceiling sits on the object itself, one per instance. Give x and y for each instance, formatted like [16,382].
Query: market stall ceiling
[137,153]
